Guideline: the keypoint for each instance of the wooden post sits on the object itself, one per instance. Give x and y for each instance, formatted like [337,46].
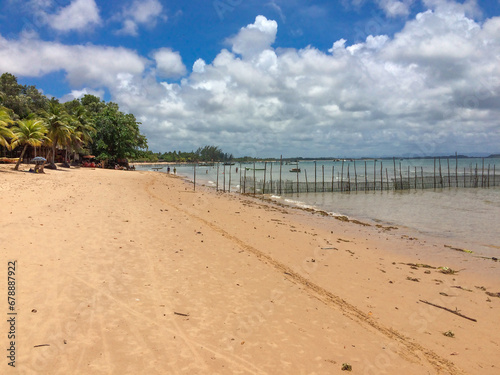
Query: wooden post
[400,176]
[240,177]
[366,178]
[323,171]
[381,177]
[342,177]
[440,174]
[395,179]
[281,165]
[356,176]
[494,183]
[265,172]
[194,177]
[482,174]
[434,173]
[297,179]
[387,178]
[307,186]
[456,169]
[449,178]
[476,184]
[374,175]
[254,182]
[245,182]
[409,178]
[488,185]
[333,175]
[217,185]
[271,177]
[415,178]
[422,174]
[348,178]
[315,176]
[230,177]
[224,177]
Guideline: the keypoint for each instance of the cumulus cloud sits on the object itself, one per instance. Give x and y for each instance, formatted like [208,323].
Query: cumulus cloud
[84,64]
[78,15]
[254,38]
[169,63]
[145,13]
[78,94]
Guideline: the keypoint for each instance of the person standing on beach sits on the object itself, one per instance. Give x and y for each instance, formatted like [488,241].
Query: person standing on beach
[168,170]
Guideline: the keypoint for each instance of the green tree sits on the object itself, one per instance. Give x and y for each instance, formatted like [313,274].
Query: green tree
[117,134]
[59,125]
[28,133]
[5,132]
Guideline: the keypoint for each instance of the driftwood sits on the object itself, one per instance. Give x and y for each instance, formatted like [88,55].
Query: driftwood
[181,314]
[447,309]
[37,346]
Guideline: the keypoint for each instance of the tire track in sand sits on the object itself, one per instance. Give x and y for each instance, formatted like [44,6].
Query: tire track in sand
[412,349]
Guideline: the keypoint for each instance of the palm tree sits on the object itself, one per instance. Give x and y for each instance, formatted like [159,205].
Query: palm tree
[5,132]
[59,127]
[83,128]
[28,132]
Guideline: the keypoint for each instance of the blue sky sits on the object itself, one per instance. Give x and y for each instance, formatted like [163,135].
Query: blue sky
[309,78]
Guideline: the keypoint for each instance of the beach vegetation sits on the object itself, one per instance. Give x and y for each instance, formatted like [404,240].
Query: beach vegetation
[5,132]
[88,125]
[29,132]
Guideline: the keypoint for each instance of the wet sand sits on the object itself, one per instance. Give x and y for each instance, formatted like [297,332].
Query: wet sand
[122,272]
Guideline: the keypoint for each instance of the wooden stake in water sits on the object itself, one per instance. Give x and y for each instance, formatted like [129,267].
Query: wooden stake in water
[240,177]
[230,177]
[374,175]
[265,172]
[271,177]
[381,177]
[415,178]
[356,176]
[315,183]
[440,174]
[333,175]
[456,168]
[387,178]
[323,171]
[194,177]
[254,190]
[217,184]
[482,175]
[297,179]
[281,165]
[395,178]
[449,178]
[342,177]
[366,178]
[245,182]
[422,174]
[434,173]
[307,186]
[224,177]
[348,178]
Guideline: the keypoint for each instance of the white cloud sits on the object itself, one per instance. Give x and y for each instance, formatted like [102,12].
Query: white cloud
[169,63]
[145,13]
[84,64]
[395,8]
[255,38]
[78,15]
[77,94]
[199,66]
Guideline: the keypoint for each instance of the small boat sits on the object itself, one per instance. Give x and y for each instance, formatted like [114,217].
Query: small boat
[228,163]
[295,170]
[255,169]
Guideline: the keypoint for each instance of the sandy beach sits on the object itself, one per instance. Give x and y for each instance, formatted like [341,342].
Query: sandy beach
[131,272]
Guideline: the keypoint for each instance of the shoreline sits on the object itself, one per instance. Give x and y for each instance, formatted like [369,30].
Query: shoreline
[227,282]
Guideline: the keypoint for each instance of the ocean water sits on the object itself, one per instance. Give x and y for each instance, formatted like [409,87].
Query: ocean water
[464,217]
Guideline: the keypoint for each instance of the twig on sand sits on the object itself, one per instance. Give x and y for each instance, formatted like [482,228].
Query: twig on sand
[37,346]
[181,314]
[447,309]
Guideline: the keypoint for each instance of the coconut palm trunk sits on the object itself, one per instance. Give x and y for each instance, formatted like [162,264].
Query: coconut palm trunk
[21,157]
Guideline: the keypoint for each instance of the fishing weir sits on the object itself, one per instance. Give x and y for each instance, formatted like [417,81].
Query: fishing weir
[356,176]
